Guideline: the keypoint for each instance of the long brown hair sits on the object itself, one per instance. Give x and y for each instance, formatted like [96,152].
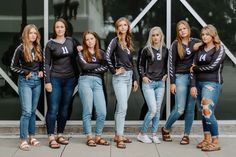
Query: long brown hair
[87,54]
[179,38]
[128,37]
[26,44]
[213,33]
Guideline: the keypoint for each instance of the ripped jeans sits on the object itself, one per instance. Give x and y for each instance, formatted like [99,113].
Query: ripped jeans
[208,94]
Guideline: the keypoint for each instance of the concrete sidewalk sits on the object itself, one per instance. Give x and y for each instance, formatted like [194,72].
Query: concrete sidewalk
[78,148]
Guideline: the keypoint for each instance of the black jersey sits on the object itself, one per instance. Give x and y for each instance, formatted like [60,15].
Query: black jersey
[118,57]
[19,65]
[153,65]
[60,59]
[181,66]
[209,65]
[95,67]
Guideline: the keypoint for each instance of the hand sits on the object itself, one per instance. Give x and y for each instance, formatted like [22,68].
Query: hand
[40,74]
[120,70]
[28,76]
[48,87]
[146,80]
[135,86]
[197,45]
[173,88]
[79,48]
[164,77]
[193,92]
[191,68]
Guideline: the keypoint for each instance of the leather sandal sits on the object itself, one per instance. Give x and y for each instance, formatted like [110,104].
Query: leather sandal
[91,143]
[211,147]
[53,144]
[125,140]
[34,142]
[62,140]
[165,135]
[101,141]
[120,144]
[184,140]
[202,144]
[24,146]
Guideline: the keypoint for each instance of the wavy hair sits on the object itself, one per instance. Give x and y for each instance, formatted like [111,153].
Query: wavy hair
[87,54]
[26,44]
[149,43]
[128,37]
[179,38]
[211,30]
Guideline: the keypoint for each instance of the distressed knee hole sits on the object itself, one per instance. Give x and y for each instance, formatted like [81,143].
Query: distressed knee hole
[206,111]
[181,111]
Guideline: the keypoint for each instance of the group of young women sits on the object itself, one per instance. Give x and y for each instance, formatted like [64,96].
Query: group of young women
[195,71]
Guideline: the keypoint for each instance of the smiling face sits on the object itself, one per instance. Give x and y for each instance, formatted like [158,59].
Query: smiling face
[60,29]
[206,37]
[122,27]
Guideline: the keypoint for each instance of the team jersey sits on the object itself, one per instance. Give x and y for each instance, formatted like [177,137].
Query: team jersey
[208,65]
[60,59]
[118,57]
[181,66]
[95,67]
[153,65]
[19,65]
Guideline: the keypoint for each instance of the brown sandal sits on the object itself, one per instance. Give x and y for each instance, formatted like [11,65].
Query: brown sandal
[101,141]
[62,140]
[165,135]
[53,144]
[184,140]
[202,144]
[125,140]
[211,147]
[120,144]
[91,143]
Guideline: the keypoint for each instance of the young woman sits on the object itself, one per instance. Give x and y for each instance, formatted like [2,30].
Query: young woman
[27,62]
[180,59]
[93,66]
[153,70]
[120,61]
[60,79]
[206,83]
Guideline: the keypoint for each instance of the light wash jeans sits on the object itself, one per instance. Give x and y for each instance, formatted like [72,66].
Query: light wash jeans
[58,103]
[153,93]
[29,93]
[183,103]
[122,85]
[91,93]
[209,90]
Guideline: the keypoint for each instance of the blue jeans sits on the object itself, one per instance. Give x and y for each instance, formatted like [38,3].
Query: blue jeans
[91,92]
[153,93]
[29,93]
[58,103]
[184,103]
[211,91]
[122,85]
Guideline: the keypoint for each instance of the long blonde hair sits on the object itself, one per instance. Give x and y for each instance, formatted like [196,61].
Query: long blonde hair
[149,43]
[128,37]
[179,38]
[26,44]
[87,54]
[213,33]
